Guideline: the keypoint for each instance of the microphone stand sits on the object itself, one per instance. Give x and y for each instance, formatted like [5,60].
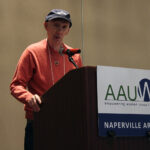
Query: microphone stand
[72,61]
[70,54]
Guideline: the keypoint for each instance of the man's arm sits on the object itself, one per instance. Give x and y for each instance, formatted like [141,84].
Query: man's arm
[22,76]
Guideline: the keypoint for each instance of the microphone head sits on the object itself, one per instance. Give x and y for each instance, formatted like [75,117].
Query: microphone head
[75,50]
[71,52]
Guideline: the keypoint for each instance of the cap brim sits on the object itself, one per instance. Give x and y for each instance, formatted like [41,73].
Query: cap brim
[58,17]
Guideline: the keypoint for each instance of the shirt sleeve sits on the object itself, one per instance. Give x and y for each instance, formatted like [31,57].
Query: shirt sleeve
[22,76]
[80,62]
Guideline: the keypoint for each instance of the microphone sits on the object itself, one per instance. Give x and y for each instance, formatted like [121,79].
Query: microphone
[70,52]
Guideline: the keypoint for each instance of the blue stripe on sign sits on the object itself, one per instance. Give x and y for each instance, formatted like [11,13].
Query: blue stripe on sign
[123,124]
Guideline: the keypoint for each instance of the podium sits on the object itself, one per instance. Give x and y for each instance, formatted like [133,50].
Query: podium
[68,119]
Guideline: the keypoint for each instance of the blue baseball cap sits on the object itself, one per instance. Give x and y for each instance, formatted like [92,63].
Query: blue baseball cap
[58,14]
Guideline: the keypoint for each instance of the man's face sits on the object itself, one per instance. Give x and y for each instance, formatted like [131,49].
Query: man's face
[56,30]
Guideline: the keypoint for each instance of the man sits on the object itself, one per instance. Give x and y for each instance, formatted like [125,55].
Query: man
[41,65]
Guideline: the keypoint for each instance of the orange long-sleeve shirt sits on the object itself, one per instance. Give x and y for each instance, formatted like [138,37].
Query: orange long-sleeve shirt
[37,70]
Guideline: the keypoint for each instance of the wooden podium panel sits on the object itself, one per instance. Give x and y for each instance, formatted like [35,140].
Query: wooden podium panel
[68,119]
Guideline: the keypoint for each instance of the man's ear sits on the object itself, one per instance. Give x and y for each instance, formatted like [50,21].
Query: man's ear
[45,25]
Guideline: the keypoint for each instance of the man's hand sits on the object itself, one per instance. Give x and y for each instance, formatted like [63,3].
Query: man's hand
[34,101]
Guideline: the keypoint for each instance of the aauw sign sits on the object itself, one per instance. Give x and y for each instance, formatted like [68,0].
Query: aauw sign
[123,101]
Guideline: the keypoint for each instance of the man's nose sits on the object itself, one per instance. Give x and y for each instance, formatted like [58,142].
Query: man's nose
[60,29]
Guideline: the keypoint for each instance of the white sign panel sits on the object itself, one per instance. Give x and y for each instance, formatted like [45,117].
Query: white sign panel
[123,101]
[123,90]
